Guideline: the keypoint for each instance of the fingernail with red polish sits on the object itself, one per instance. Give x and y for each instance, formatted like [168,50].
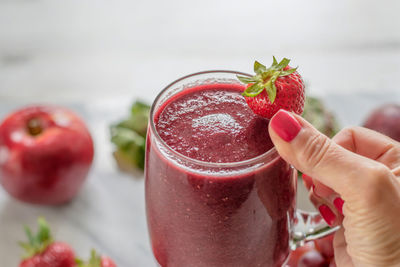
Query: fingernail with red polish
[327,214]
[285,125]
[338,202]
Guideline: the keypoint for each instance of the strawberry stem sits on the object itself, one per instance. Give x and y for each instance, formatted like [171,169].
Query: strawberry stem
[265,78]
[34,127]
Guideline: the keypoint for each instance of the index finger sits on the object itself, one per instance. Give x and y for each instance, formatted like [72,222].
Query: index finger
[370,144]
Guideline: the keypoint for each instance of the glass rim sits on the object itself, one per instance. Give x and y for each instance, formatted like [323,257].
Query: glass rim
[270,153]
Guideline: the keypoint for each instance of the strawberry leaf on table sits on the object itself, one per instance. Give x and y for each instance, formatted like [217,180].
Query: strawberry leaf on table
[37,243]
[129,136]
[320,117]
[138,118]
[96,261]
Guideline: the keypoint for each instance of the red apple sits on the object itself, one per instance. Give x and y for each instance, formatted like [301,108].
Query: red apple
[45,154]
[325,246]
[386,120]
[313,258]
[298,253]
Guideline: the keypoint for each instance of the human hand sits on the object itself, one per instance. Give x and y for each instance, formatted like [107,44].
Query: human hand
[355,183]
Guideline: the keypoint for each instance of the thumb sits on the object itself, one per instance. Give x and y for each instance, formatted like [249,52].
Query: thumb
[311,152]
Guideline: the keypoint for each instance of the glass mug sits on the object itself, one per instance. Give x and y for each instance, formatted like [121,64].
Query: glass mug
[221,214]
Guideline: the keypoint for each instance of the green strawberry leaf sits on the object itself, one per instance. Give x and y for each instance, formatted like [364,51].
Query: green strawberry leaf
[271,88]
[124,138]
[94,261]
[39,242]
[265,78]
[284,62]
[79,262]
[139,107]
[287,72]
[320,116]
[129,137]
[259,68]
[245,79]
[271,91]
[29,234]
[138,119]
[44,231]
[274,61]
[253,90]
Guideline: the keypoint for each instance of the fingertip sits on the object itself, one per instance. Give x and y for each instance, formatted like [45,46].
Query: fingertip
[327,213]
[285,125]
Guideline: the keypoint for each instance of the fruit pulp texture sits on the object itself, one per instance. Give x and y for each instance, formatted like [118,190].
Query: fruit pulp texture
[201,219]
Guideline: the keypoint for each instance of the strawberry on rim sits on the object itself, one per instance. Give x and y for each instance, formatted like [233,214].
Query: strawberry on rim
[274,88]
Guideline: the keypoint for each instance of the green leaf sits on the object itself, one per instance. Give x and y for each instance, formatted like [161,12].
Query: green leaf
[123,137]
[39,242]
[28,249]
[139,107]
[274,61]
[44,231]
[320,116]
[131,146]
[79,262]
[29,234]
[245,79]
[138,119]
[259,68]
[267,75]
[265,78]
[129,136]
[94,261]
[287,72]
[271,90]
[253,90]
[284,62]
[24,245]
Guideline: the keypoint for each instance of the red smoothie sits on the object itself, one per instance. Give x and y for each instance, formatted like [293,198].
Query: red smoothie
[217,193]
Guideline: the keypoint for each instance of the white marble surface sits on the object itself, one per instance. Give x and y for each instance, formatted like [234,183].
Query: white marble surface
[97,56]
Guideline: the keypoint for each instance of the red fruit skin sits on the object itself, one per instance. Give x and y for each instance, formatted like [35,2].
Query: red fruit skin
[325,246]
[107,262]
[290,95]
[298,253]
[386,120]
[48,168]
[57,254]
[313,258]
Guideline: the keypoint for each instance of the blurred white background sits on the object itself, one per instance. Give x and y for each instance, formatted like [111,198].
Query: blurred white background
[80,49]
[97,56]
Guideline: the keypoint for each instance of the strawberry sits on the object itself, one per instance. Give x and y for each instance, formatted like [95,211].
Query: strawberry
[96,261]
[278,87]
[42,251]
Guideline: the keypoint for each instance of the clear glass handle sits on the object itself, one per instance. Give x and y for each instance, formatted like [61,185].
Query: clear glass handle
[309,226]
